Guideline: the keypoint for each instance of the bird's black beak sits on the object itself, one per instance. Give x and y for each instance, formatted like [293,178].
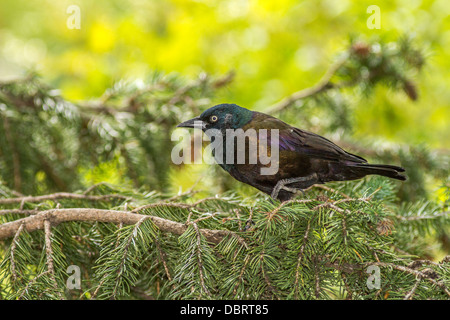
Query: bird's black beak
[193,123]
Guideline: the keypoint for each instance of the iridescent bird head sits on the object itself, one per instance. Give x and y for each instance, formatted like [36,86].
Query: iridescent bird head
[222,116]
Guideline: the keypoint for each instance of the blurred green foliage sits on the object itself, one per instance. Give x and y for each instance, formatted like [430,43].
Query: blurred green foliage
[275,47]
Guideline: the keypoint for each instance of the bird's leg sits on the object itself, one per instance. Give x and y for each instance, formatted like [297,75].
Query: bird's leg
[281,185]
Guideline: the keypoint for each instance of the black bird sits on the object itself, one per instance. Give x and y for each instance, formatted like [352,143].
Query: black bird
[302,158]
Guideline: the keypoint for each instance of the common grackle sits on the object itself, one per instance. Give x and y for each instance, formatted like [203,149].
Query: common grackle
[301,158]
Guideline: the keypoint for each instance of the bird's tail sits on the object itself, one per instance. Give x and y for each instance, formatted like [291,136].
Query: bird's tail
[381,169]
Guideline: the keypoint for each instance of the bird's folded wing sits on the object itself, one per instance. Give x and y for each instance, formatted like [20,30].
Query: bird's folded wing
[315,146]
[304,142]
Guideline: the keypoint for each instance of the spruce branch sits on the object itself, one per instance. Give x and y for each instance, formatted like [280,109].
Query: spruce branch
[125,255]
[300,258]
[49,253]
[12,252]
[174,204]
[199,257]
[198,249]
[324,187]
[241,274]
[410,294]
[162,257]
[57,216]
[418,274]
[31,282]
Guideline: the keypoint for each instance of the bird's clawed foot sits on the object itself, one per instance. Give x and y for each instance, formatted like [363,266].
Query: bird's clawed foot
[282,185]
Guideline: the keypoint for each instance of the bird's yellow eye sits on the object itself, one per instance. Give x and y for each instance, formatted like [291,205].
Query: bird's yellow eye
[213,118]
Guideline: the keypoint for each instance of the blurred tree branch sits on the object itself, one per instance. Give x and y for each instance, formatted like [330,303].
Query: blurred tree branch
[323,85]
[365,65]
[132,122]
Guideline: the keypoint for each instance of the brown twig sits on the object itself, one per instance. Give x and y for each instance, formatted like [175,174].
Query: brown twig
[174,204]
[206,217]
[363,199]
[329,205]
[162,257]
[13,250]
[323,85]
[48,249]
[49,254]
[18,211]
[200,260]
[57,216]
[31,282]
[410,294]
